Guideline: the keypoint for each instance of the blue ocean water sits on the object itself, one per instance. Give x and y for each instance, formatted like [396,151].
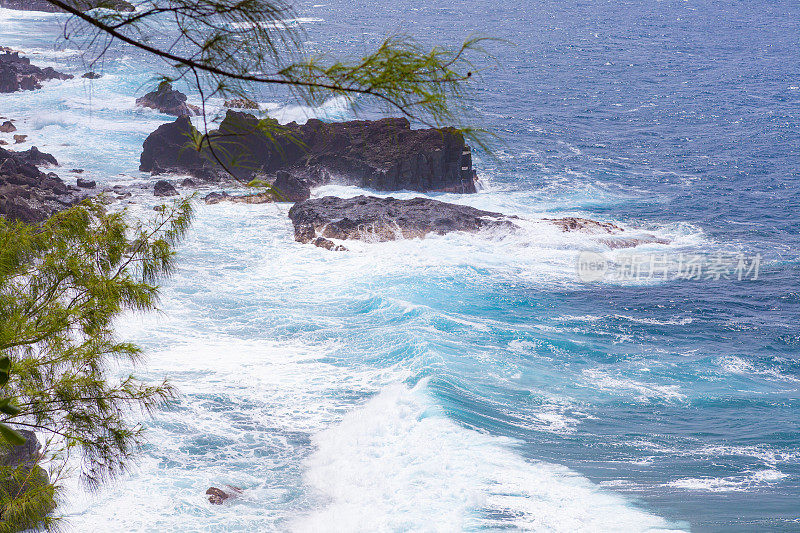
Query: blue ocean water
[476,382]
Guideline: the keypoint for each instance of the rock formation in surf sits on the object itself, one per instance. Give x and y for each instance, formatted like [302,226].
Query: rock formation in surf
[384,155]
[167,100]
[17,73]
[368,218]
[385,219]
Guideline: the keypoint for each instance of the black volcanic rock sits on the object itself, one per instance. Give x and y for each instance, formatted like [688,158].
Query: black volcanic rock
[37,158]
[291,187]
[168,101]
[17,74]
[383,155]
[28,194]
[386,219]
[168,150]
[164,188]
[86,184]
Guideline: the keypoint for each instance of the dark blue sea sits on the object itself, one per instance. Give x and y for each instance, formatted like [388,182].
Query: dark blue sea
[485,383]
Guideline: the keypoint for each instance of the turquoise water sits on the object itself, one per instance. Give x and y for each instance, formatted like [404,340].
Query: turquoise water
[477,382]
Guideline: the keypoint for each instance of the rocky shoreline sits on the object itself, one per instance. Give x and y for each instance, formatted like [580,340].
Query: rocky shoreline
[292,159]
[18,74]
[29,194]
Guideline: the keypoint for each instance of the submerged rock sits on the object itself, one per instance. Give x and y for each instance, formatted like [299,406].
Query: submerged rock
[26,193]
[91,75]
[218,496]
[585,225]
[385,219]
[17,74]
[168,101]
[594,227]
[373,219]
[383,155]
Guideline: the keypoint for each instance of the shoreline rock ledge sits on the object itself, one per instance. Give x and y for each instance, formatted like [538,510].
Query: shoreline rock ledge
[369,218]
[383,155]
[17,73]
[28,194]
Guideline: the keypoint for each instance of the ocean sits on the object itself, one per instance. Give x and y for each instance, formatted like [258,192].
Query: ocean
[483,382]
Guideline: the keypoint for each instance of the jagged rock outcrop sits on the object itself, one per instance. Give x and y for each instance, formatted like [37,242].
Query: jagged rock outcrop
[34,157]
[17,73]
[375,219]
[167,100]
[28,194]
[7,127]
[82,5]
[383,155]
[168,150]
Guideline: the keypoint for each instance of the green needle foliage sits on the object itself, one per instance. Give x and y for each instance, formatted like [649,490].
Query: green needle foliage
[228,47]
[62,285]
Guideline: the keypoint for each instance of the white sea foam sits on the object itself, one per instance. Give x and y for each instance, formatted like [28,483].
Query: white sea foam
[638,390]
[398,464]
[745,482]
[738,365]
